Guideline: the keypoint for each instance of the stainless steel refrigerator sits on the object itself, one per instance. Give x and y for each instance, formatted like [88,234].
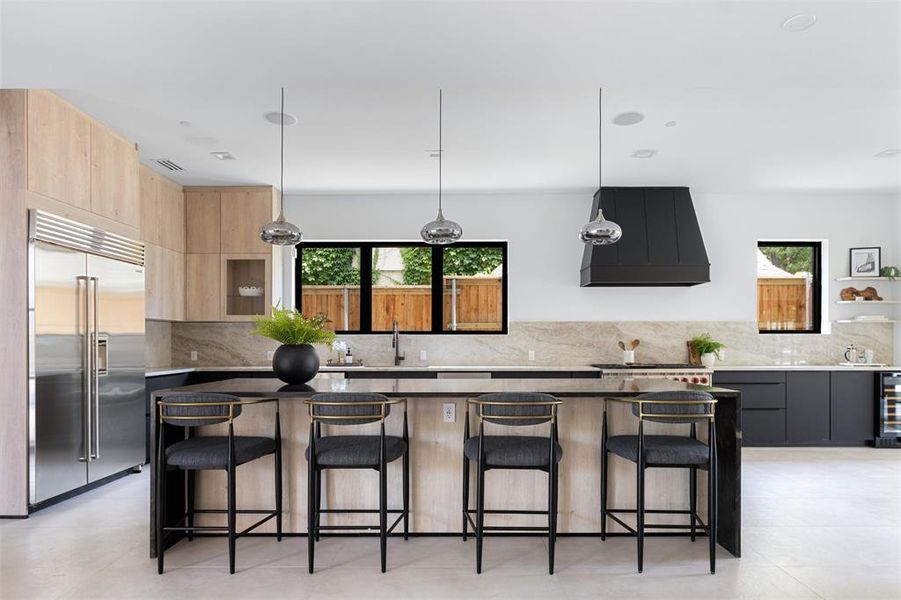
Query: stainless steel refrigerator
[86,355]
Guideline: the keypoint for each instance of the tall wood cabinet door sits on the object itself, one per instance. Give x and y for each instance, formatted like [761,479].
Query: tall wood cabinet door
[807,407]
[59,150]
[172,209]
[114,177]
[202,216]
[154,268]
[174,282]
[202,287]
[243,213]
[151,211]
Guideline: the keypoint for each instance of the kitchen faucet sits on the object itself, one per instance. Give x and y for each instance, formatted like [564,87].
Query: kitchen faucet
[395,343]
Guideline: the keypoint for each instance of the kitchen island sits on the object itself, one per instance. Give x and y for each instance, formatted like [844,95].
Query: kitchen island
[436,454]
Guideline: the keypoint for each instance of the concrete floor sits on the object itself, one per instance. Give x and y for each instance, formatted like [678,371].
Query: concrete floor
[818,523]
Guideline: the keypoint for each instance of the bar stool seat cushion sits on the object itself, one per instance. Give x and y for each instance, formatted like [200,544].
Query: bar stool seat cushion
[661,449]
[355,450]
[211,452]
[512,450]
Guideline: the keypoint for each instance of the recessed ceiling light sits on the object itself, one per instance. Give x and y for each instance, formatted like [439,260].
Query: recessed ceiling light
[185,123]
[223,155]
[888,153]
[628,118]
[645,153]
[670,124]
[276,118]
[799,22]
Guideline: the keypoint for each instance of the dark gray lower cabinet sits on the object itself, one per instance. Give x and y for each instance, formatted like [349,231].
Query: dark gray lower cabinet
[807,407]
[853,407]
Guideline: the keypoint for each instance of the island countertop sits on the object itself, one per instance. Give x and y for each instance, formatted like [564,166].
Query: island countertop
[449,388]
[436,452]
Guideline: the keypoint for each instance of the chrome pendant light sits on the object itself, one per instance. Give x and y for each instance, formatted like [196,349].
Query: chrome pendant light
[280,232]
[600,231]
[441,231]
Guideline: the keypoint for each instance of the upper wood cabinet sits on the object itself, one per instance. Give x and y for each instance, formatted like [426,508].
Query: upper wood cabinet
[244,211]
[202,288]
[151,211]
[202,210]
[59,150]
[162,211]
[164,283]
[114,177]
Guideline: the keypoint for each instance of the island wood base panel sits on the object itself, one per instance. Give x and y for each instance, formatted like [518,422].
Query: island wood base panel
[436,473]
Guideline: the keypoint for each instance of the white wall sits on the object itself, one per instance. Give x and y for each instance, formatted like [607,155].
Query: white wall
[545,252]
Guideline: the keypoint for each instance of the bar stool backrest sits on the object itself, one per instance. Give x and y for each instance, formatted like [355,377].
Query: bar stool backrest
[341,408]
[513,408]
[683,406]
[198,409]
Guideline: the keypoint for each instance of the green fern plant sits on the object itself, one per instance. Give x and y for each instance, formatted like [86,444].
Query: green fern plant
[289,327]
[705,344]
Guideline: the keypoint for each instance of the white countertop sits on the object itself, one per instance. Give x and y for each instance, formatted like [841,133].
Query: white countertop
[806,368]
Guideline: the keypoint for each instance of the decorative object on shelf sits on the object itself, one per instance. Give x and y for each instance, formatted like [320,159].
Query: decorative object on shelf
[441,231]
[891,272]
[866,294]
[295,361]
[600,231]
[340,363]
[280,232]
[866,262]
[250,291]
[870,318]
[704,350]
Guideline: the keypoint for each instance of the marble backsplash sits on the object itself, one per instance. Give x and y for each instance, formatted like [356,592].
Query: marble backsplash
[557,343]
[158,343]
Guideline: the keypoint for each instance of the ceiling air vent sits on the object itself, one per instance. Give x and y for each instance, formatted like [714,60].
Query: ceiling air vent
[168,164]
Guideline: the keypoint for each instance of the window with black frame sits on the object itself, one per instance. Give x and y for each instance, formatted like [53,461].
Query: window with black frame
[365,287]
[789,287]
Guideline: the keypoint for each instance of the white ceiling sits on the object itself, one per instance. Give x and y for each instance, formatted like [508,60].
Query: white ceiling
[758,108]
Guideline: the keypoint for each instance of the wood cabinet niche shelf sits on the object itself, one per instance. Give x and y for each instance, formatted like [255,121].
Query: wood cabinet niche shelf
[245,270]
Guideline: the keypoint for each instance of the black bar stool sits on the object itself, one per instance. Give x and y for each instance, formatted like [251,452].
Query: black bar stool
[355,452]
[665,451]
[192,454]
[511,452]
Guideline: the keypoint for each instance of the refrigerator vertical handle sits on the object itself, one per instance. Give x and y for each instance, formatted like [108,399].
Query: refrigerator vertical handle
[87,370]
[95,373]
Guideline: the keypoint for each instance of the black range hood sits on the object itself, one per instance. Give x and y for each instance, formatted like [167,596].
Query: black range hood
[661,243]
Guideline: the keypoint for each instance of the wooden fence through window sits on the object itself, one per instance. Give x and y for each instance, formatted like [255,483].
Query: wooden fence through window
[479,305]
[784,303]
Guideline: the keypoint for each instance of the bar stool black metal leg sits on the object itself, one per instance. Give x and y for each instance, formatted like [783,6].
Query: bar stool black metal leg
[317,509]
[190,482]
[712,508]
[406,492]
[604,461]
[383,501]
[480,516]
[278,493]
[311,516]
[693,499]
[552,516]
[232,518]
[465,497]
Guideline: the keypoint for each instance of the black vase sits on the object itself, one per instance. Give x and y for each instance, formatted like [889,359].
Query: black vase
[295,364]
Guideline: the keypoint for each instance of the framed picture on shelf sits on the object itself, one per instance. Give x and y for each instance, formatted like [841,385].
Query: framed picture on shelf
[866,262]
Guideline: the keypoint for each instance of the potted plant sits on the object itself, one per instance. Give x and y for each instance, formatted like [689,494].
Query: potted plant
[706,348]
[295,361]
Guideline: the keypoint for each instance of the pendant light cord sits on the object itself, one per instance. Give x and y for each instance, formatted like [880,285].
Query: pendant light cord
[281,188]
[440,144]
[600,147]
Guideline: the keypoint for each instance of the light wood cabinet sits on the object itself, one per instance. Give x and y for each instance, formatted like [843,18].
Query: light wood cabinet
[202,216]
[202,289]
[244,211]
[114,177]
[59,150]
[172,215]
[164,283]
[151,211]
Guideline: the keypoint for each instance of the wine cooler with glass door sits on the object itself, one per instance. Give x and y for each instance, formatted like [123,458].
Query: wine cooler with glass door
[889,427]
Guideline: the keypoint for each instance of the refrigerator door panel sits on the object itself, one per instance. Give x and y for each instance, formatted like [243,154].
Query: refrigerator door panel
[59,423]
[117,335]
